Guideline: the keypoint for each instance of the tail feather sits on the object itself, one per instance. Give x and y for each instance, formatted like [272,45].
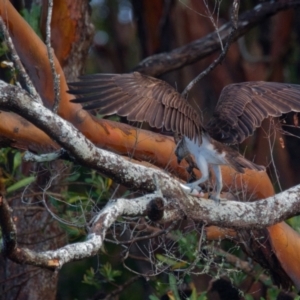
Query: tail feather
[239,163]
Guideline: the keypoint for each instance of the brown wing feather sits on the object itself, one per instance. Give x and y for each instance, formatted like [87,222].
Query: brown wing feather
[139,98]
[242,107]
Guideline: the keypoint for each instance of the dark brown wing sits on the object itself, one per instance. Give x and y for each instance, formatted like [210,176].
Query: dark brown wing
[139,98]
[242,107]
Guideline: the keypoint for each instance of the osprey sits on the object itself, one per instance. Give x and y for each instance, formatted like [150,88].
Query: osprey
[240,110]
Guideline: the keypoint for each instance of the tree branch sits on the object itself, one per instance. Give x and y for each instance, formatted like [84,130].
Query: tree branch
[137,177]
[211,67]
[56,84]
[167,201]
[18,63]
[159,64]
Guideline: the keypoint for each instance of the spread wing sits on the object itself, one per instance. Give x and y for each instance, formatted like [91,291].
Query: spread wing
[242,107]
[139,98]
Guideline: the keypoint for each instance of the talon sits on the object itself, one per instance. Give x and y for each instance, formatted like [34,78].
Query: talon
[191,189]
[193,186]
[217,199]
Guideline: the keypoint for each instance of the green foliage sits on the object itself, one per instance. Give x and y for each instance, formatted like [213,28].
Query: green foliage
[173,292]
[238,278]
[272,293]
[8,71]
[3,47]
[107,273]
[13,180]
[171,262]
[32,17]
[173,286]
[203,296]
[294,223]
[99,185]
[85,184]
[87,192]
[187,244]
[10,160]
[90,279]
[73,206]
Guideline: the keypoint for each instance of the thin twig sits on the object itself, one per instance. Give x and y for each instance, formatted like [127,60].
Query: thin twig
[198,256]
[17,61]
[56,217]
[162,63]
[146,237]
[247,268]
[120,288]
[234,21]
[208,14]
[215,24]
[271,148]
[8,227]
[55,76]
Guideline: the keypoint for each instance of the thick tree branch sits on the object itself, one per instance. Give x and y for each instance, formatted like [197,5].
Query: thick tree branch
[169,204]
[165,62]
[228,214]
[72,140]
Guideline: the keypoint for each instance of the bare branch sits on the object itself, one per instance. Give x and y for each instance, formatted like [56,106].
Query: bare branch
[51,57]
[234,20]
[57,258]
[229,213]
[16,59]
[137,177]
[7,226]
[248,268]
[158,64]
[168,202]
[84,151]
[120,288]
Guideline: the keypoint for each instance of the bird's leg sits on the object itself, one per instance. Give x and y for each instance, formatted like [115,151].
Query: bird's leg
[203,167]
[219,183]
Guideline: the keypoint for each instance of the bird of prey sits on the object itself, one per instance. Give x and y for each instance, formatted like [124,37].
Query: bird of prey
[240,110]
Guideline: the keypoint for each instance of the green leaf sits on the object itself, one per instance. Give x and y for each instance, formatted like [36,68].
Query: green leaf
[17,161]
[20,184]
[77,198]
[108,272]
[173,286]
[153,297]
[73,177]
[171,262]
[89,278]
[202,296]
